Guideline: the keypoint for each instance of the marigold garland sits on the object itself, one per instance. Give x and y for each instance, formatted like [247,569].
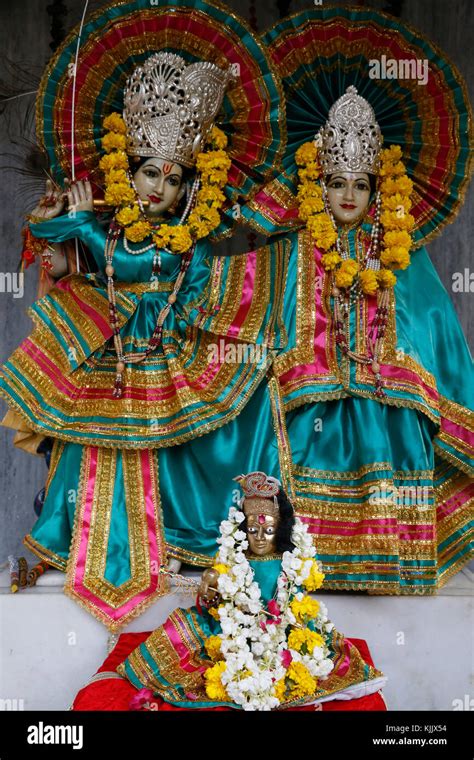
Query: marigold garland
[397,222]
[213,166]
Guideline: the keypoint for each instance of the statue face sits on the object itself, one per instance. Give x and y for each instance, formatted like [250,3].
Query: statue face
[159,182]
[261,531]
[348,195]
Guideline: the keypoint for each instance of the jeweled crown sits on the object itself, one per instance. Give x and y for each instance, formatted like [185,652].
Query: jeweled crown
[351,139]
[170,107]
[258,485]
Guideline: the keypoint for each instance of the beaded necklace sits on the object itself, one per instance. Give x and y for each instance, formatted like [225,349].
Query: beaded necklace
[344,300]
[113,236]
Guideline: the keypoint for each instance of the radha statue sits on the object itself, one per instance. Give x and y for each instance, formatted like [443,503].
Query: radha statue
[376,379]
[121,370]
[260,641]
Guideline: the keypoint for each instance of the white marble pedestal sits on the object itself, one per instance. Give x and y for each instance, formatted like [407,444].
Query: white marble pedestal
[50,646]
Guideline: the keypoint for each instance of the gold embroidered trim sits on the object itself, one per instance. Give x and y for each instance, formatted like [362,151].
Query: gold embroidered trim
[100,518]
[53,559]
[190,558]
[281,433]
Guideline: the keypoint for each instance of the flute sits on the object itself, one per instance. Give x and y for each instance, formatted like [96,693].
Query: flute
[99,203]
[14,574]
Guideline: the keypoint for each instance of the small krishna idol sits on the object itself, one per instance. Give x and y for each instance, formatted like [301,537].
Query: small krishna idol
[121,372]
[259,641]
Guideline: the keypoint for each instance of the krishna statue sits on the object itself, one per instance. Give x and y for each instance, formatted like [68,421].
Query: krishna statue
[256,639]
[147,421]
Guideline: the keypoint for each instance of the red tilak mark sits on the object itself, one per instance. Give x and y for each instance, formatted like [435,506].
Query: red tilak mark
[167,168]
[261,519]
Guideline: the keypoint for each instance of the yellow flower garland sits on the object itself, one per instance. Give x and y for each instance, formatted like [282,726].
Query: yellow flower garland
[315,578]
[304,609]
[304,638]
[212,646]
[215,690]
[397,222]
[302,682]
[212,164]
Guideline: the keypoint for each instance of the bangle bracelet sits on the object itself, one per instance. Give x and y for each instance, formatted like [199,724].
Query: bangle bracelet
[35,219]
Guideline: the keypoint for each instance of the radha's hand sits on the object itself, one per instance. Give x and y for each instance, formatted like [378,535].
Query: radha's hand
[51,204]
[208,587]
[79,196]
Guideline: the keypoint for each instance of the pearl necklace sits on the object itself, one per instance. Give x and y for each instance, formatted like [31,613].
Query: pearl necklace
[190,202]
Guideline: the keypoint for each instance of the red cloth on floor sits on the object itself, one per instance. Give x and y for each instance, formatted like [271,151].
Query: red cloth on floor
[115,694]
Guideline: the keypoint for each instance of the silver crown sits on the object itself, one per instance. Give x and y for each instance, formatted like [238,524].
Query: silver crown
[351,139]
[169,106]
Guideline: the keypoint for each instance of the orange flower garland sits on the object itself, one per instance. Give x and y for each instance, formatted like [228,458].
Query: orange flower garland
[397,222]
[213,166]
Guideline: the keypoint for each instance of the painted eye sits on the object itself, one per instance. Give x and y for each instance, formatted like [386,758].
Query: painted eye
[362,186]
[270,531]
[252,531]
[173,181]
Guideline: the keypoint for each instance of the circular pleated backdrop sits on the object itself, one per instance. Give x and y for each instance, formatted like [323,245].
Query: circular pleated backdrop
[119,37]
[320,52]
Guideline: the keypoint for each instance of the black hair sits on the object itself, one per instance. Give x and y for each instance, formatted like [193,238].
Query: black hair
[286,524]
[283,542]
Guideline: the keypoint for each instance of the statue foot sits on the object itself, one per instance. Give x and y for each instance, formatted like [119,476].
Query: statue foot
[174,565]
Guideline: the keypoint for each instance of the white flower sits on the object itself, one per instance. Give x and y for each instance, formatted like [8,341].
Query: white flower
[247,647]
[318,653]
[226,586]
[254,591]
[228,627]
[325,667]
[226,528]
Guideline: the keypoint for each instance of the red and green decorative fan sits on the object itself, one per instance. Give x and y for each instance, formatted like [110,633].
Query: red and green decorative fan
[75,96]
[318,54]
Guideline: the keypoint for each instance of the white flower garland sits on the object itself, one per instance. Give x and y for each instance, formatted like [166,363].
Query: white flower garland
[253,640]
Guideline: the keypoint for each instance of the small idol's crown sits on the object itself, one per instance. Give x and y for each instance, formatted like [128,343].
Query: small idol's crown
[170,107]
[257,485]
[261,507]
[351,140]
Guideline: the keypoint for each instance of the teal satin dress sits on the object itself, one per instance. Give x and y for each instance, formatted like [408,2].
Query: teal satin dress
[150,475]
[385,485]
